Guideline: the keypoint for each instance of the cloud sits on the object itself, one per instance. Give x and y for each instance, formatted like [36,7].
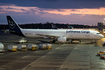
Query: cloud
[85,11]
[36,10]
[18,9]
[2,12]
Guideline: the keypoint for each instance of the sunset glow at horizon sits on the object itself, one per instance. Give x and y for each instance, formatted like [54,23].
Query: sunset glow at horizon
[36,10]
[58,11]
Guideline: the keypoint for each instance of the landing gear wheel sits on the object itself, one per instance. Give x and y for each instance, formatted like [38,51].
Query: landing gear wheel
[71,42]
[79,41]
[52,41]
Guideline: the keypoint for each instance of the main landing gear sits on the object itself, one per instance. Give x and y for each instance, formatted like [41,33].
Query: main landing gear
[93,41]
[52,41]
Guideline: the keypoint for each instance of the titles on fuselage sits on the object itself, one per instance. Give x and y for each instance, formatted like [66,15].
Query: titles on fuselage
[71,31]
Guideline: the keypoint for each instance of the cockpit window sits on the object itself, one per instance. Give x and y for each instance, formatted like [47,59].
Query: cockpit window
[98,33]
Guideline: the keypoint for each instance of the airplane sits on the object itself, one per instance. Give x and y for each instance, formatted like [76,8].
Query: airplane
[55,27]
[60,35]
[70,27]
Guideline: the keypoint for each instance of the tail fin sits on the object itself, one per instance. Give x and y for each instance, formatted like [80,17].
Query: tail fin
[13,26]
[70,27]
[54,26]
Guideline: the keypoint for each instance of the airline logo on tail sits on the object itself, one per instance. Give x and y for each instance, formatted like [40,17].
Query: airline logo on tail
[11,24]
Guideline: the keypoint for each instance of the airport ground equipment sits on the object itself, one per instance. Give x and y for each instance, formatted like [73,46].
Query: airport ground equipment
[101,42]
[32,47]
[49,46]
[101,52]
[22,47]
[22,40]
[42,46]
[102,57]
[1,47]
[12,48]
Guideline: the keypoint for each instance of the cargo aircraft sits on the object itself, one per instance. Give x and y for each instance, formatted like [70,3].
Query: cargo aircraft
[61,35]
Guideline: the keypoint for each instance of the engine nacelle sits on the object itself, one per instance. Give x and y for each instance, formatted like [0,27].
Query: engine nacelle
[62,39]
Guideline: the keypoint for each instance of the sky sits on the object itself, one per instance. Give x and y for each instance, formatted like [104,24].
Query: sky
[87,12]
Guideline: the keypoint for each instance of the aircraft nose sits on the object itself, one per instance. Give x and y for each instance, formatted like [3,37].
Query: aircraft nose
[102,36]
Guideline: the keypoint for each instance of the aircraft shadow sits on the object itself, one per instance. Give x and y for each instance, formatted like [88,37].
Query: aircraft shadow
[43,41]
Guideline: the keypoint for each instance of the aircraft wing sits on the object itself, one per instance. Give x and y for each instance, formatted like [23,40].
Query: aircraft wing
[51,36]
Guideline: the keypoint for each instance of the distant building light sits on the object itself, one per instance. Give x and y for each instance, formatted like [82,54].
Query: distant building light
[103,30]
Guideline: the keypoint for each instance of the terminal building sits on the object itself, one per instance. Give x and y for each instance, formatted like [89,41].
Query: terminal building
[101,26]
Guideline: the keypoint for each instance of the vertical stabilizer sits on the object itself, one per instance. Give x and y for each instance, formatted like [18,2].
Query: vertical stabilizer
[13,27]
[53,26]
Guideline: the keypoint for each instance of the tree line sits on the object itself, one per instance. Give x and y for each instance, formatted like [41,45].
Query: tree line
[47,25]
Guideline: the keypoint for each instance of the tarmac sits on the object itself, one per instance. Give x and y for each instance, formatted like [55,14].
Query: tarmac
[64,56]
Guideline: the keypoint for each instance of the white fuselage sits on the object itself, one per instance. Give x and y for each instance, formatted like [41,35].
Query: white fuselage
[57,34]
[68,33]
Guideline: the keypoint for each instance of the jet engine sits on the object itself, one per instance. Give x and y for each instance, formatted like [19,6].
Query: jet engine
[62,39]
